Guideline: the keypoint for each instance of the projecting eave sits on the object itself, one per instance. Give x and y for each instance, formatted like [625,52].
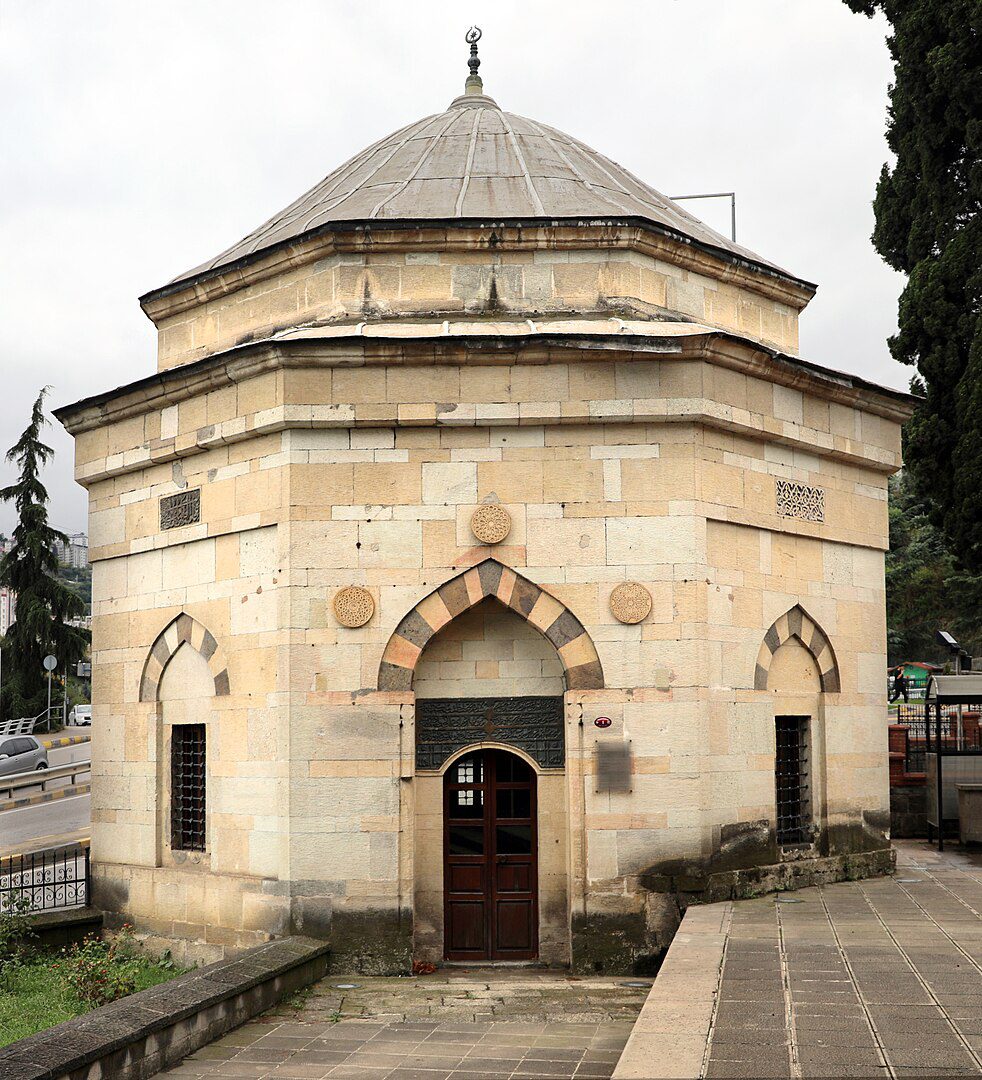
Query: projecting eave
[479,234]
[477,342]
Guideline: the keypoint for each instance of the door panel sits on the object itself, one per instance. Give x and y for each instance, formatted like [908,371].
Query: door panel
[513,878]
[514,932]
[467,879]
[468,922]
[490,858]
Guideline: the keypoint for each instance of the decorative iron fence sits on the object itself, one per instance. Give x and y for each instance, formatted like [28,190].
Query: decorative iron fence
[57,878]
[912,718]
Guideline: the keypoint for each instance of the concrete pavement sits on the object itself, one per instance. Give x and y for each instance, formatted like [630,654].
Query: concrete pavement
[875,978]
[465,1024]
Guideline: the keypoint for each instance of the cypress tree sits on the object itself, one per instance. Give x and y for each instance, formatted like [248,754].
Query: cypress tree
[30,569]
[928,226]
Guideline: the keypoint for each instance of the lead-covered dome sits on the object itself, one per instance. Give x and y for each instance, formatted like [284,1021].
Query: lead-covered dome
[475,162]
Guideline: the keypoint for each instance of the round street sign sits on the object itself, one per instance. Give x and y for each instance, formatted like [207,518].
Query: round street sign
[50,663]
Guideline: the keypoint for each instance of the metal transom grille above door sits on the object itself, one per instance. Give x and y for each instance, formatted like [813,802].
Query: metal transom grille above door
[490,858]
[532,724]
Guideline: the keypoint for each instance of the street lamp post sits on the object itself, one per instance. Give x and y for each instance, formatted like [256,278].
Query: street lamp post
[942,637]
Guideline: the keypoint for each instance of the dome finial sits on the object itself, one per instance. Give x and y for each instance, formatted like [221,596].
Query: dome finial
[474,85]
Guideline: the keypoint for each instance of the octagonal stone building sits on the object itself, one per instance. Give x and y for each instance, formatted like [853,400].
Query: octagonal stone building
[482,575]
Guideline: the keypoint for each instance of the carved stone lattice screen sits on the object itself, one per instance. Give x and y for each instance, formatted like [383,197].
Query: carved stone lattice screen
[532,724]
[800,501]
[184,508]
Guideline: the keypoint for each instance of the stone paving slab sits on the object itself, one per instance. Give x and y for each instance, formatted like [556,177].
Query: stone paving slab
[472,1024]
[881,977]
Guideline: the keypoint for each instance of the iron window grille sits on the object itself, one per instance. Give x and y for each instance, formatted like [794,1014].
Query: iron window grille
[187,793]
[791,774]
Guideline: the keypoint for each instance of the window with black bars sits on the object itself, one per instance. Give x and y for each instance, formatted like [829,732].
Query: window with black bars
[187,787]
[791,777]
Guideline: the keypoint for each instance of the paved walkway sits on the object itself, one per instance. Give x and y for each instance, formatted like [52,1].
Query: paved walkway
[464,1024]
[877,978]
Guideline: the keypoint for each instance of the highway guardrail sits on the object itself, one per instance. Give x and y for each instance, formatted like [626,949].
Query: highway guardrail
[41,777]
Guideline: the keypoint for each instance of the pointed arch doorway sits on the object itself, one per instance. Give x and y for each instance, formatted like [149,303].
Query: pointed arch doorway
[490,858]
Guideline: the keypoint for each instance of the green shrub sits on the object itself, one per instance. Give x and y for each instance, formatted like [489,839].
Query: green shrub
[16,936]
[97,972]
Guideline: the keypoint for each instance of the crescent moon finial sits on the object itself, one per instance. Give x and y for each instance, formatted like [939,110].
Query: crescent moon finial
[473,84]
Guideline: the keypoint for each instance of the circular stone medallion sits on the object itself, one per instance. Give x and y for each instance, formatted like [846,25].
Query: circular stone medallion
[630,602]
[353,606]
[490,523]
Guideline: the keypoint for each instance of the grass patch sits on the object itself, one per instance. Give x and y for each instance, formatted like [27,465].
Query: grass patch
[33,997]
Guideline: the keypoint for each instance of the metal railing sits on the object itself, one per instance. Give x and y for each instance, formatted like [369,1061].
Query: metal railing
[24,726]
[56,878]
[42,777]
[920,736]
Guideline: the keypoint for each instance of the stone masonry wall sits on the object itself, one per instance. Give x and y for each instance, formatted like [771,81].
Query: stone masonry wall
[488,652]
[314,797]
[470,279]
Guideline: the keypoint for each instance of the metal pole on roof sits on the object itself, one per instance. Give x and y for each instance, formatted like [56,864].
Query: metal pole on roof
[731,195]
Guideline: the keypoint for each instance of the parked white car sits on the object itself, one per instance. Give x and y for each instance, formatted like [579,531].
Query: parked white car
[81,715]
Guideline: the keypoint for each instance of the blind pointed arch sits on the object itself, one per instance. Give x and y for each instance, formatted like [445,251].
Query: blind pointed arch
[491,579]
[798,624]
[183,630]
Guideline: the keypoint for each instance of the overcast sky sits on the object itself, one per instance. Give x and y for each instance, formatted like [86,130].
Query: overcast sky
[141,137]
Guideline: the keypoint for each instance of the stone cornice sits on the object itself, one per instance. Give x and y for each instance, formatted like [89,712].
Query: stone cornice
[713,347]
[490,237]
[534,347]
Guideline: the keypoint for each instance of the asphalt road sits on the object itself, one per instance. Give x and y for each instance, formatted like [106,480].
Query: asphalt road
[48,824]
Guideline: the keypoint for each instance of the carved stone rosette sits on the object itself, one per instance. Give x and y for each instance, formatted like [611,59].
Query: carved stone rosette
[630,602]
[353,606]
[491,523]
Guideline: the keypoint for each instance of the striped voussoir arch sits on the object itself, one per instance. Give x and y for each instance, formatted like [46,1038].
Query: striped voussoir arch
[180,631]
[491,579]
[797,623]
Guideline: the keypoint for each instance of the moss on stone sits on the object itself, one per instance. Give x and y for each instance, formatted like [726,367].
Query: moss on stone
[371,942]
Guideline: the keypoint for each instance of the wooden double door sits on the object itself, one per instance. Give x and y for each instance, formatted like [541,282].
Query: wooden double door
[490,858]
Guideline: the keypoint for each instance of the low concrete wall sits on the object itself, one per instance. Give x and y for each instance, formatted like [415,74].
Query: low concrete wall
[136,1037]
[65,926]
[670,1036]
[908,810]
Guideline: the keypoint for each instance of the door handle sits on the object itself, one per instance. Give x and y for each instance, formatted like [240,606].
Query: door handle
[502,858]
